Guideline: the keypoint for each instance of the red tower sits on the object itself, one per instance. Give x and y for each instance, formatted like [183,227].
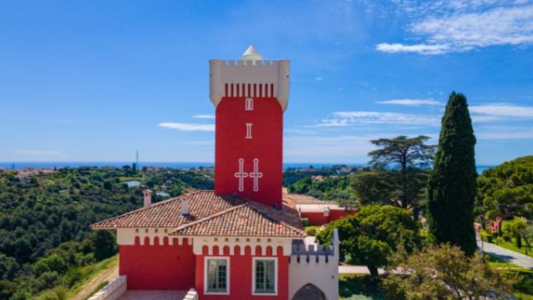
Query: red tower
[250,96]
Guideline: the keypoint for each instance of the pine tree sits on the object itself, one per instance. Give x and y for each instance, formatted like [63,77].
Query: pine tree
[452,183]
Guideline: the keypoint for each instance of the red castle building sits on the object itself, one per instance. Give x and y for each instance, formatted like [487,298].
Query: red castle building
[245,239]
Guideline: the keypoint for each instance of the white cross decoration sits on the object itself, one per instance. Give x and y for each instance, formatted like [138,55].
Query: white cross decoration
[241,175]
[256,175]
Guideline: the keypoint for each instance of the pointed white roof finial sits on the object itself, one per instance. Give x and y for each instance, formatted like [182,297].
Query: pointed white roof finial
[251,54]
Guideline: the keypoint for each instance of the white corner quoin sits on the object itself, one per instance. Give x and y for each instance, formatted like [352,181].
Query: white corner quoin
[250,69]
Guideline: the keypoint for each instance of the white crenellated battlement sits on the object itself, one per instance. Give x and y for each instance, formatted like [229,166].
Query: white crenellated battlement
[312,263]
[249,63]
[300,248]
[272,74]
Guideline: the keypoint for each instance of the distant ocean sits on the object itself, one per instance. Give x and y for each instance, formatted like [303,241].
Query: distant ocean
[174,165]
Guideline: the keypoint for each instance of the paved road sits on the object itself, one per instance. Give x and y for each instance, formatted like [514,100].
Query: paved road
[346,269]
[507,255]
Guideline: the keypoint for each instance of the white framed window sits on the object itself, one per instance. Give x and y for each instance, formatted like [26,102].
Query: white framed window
[216,275]
[265,276]
[249,104]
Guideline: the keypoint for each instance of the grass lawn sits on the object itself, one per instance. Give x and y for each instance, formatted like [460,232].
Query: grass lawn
[524,288]
[87,273]
[97,289]
[360,287]
[512,246]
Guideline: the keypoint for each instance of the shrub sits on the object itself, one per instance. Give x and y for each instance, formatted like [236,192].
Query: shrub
[444,272]
[57,293]
[506,237]
[489,238]
[305,222]
[311,231]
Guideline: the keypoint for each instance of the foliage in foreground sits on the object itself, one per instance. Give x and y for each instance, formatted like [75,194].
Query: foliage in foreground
[452,182]
[374,234]
[444,272]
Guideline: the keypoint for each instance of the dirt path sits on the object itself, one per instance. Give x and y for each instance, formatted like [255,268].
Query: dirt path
[89,287]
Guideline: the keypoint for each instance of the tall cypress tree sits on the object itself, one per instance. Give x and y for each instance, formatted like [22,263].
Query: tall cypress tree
[452,183]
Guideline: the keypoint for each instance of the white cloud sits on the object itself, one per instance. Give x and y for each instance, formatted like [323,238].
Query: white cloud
[504,132]
[412,102]
[204,117]
[503,110]
[349,118]
[188,126]
[319,78]
[421,48]
[462,25]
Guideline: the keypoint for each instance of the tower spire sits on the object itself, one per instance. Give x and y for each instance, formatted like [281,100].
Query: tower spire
[251,54]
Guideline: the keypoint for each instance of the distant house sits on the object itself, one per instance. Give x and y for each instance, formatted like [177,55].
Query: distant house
[132,183]
[163,194]
[319,212]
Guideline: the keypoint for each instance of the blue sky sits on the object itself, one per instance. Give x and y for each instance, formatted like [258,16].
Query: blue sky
[96,80]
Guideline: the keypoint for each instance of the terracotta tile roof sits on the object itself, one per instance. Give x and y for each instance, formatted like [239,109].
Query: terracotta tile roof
[249,219]
[304,199]
[167,214]
[211,215]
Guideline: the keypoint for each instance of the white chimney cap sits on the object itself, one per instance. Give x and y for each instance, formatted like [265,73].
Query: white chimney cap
[251,54]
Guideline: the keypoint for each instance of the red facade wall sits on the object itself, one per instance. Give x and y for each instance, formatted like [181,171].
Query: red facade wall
[241,268]
[158,267]
[318,218]
[265,145]
[337,214]
[315,218]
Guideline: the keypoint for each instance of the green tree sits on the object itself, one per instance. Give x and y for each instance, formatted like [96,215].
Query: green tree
[452,182]
[400,159]
[7,289]
[519,228]
[506,191]
[387,187]
[104,244]
[443,272]
[8,267]
[371,236]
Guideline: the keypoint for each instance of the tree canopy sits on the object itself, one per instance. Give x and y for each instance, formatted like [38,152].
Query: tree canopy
[452,182]
[403,151]
[397,175]
[372,235]
[45,216]
[506,191]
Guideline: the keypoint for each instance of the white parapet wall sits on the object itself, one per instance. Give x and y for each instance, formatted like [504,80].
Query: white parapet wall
[113,290]
[314,264]
[191,295]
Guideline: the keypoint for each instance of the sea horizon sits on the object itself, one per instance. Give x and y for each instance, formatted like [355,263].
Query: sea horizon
[173,165]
